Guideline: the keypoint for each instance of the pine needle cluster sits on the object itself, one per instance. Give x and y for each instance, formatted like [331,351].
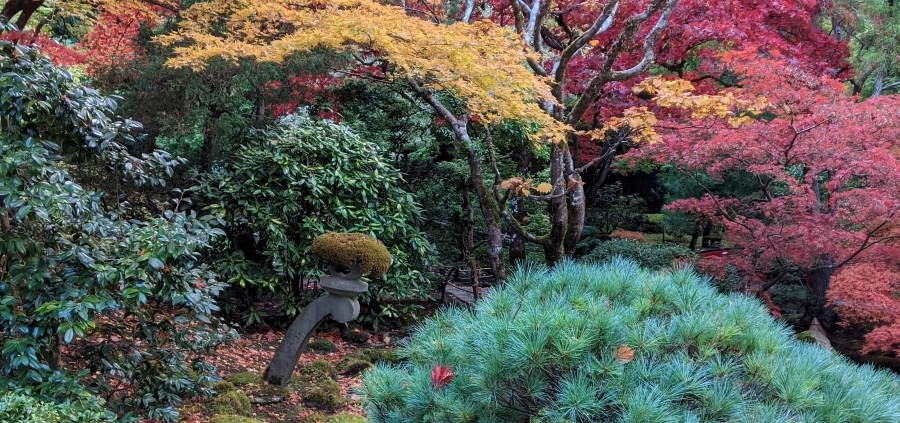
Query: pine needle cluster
[614,342]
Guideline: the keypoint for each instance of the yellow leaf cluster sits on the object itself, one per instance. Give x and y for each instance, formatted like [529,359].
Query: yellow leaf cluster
[639,120]
[520,187]
[678,93]
[480,62]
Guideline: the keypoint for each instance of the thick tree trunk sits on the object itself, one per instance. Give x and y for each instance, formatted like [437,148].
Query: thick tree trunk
[559,208]
[819,280]
[694,237]
[24,8]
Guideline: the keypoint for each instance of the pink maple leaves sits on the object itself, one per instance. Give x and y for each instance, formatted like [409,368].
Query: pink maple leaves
[440,376]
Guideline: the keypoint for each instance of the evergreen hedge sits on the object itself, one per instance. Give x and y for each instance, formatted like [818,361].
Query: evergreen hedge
[556,346]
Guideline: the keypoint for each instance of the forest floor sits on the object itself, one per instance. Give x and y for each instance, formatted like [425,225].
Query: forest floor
[241,362]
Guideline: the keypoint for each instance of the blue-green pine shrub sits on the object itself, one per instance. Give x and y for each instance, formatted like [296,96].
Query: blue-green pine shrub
[555,346]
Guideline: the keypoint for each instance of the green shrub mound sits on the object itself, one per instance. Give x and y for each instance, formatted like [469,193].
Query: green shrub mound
[651,256]
[25,409]
[617,343]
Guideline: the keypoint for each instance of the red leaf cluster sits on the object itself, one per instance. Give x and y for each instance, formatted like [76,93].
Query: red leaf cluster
[826,177]
[440,376]
[59,54]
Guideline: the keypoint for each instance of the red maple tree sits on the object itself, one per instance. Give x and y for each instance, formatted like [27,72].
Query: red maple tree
[825,181]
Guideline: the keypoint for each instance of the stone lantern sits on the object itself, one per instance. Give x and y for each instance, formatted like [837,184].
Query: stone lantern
[349,257]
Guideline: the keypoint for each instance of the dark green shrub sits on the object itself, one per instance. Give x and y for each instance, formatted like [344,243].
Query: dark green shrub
[130,299]
[616,343]
[24,409]
[296,181]
[650,256]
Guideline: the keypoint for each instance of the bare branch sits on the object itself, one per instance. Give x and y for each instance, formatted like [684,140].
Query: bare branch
[607,74]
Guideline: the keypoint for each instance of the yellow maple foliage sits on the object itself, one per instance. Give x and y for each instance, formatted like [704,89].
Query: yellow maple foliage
[678,93]
[478,62]
[519,187]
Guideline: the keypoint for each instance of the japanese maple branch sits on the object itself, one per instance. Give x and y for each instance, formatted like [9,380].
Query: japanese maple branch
[607,74]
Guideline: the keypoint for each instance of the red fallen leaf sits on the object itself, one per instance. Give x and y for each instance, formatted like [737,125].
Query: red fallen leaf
[440,376]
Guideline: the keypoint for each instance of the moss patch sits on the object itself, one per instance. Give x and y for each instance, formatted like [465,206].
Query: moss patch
[355,335]
[223,387]
[324,395]
[244,378]
[318,370]
[322,345]
[347,249]
[231,403]
[353,366]
[231,418]
[337,418]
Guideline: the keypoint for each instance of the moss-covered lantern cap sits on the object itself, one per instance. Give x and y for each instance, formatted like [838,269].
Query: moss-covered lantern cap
[347,249]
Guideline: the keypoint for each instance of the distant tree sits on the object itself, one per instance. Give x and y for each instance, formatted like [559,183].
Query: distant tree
[824,170]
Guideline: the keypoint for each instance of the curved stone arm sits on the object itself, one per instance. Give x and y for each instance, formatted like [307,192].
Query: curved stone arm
[287,354]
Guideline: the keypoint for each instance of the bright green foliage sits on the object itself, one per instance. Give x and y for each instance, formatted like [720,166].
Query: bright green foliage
[651,256]
[26,409]
[66,260]
[616,343]
[301,179]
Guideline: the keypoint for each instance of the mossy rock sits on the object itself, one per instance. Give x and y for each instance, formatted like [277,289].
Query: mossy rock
[356,335]
[337,418]
[232,418]
[223,387]
[319,369]
[353,366]
[362,360]
[347,249]
[244,378]
[322,345]
[325,394]
[375,355]
[231,403]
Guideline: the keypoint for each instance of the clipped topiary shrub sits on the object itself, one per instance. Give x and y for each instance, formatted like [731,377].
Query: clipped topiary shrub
[347,249]
[651,256]
[617,343]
